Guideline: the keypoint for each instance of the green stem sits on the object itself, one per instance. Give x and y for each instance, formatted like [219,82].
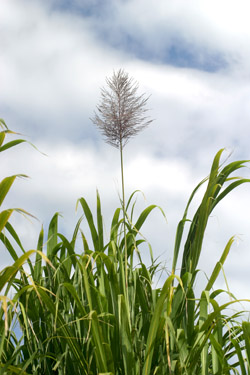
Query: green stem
[124,223]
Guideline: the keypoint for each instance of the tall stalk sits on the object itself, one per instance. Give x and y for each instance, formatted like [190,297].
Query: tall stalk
[121,115]
[124,220]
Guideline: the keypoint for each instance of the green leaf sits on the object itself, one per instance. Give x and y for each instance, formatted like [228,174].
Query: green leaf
[219,265]
[3,124]
[155,323]
[2,137]
[91,224]
[246,334]
[5,186]
[52,234]
[4,217]
[38,262]
[99,222]
[126,340]
[11,144]
[98,340]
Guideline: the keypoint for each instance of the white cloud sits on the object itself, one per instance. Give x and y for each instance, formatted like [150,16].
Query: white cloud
[52,68]
[50,64]
[221,27]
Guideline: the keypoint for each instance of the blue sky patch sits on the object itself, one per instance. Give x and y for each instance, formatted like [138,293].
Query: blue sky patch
[185,56]
[176,52]
[86,8]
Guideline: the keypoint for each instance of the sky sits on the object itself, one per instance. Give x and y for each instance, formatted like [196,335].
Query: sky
[191,57]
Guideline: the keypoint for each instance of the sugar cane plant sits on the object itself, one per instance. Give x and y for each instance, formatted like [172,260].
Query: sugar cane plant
[96,311]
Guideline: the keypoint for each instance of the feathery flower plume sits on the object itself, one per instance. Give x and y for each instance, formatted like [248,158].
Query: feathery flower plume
[121,112]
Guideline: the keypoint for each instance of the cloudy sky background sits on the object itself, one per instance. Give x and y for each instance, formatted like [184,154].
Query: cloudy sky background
[192,57]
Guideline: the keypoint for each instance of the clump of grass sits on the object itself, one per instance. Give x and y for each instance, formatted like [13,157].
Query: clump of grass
[75,313]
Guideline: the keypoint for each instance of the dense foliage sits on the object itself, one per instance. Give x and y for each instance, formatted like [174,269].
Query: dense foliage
[92,312]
